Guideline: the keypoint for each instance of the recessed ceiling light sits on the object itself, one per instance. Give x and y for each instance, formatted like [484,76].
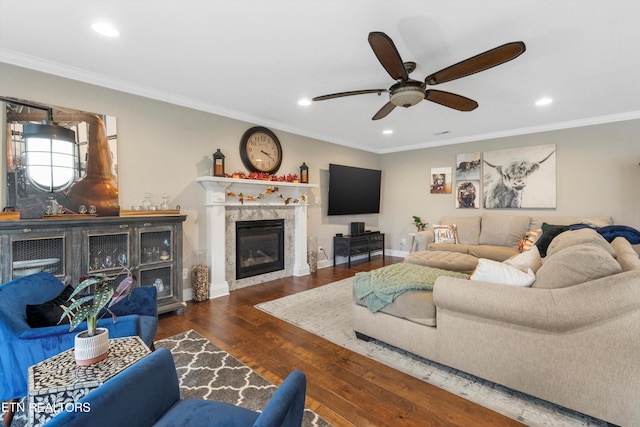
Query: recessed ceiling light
[544,101]
[105,29]
[387,131]
[304,102]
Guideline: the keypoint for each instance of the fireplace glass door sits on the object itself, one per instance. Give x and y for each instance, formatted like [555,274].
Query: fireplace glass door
[259,247]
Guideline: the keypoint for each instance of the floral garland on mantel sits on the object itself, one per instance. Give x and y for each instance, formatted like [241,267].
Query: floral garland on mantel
[270,190]
[263,176]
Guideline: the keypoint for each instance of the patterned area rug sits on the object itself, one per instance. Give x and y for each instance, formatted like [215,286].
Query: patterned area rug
[207,372]
[326,311]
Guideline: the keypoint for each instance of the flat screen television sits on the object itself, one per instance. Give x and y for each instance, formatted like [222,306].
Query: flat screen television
[353,190]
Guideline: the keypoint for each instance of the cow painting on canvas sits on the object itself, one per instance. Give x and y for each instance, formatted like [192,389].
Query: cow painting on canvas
[520,178]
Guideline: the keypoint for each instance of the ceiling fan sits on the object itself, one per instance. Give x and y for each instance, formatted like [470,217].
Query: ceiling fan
[407,92]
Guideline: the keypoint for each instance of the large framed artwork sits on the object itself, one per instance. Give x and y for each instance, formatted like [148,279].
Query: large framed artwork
[50,177]
[520,178]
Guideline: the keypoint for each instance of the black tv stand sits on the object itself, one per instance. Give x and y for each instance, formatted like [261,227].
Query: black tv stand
[362,243]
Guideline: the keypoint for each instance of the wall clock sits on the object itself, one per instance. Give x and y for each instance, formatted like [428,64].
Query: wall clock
[260,150]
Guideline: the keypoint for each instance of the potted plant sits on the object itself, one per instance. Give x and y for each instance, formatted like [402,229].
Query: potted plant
[420,226]
[92,345]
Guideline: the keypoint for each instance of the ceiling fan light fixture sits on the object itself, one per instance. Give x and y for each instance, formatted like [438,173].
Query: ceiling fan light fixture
[406,96]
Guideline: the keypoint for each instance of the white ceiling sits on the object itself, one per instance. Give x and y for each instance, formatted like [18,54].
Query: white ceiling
[253,60]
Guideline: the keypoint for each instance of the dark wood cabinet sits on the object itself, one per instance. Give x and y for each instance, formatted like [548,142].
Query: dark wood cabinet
[151,246]
[366,243]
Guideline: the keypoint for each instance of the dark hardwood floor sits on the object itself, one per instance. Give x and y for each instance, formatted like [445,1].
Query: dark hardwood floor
[344,387]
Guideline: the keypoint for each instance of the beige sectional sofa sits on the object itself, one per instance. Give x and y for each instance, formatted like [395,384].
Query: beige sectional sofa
[492,235]
[572,338]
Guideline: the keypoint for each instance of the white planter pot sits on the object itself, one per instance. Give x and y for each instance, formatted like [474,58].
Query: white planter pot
[89,350]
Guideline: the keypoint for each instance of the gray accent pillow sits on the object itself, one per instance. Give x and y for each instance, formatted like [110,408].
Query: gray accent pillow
[503,230]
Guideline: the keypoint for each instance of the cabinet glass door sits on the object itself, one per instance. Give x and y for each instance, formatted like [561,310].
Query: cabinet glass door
[156,260]
[108,252]
[30,256]
[161,278]
[156,247]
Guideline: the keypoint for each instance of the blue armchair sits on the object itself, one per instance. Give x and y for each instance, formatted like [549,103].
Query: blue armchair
[22,346]
[147,394]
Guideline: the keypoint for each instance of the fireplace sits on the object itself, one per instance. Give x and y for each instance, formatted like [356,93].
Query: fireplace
[222,212]
[259,247]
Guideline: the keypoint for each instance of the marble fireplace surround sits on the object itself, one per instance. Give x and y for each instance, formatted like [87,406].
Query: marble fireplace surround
[223,211]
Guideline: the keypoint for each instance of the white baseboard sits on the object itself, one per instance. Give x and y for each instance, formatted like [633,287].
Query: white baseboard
[187,293]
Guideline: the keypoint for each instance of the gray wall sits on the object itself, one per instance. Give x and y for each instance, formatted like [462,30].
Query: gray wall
[598,173]
[162,148]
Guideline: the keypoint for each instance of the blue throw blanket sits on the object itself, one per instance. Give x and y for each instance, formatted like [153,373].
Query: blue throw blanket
[380,287]
[610,232]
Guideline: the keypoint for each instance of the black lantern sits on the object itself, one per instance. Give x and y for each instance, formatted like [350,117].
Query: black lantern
[218,163]
[304,173]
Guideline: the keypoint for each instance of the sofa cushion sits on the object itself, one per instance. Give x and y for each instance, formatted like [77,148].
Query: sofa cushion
[625,254]
[445,233]
[503,230]
[445,260]
[467,227]
[578,237]
[449,247]
[574,265]
[526,260]
[417,306]
[499,272]
[592,221]
[496,253]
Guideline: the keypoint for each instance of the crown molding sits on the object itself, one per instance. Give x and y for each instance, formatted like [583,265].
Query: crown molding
[73,73]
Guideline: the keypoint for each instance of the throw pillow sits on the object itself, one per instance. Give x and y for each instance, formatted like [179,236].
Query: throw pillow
[48,313]
[582,236]
[574,265]
[445,233]
[549,231]
[526,260]
[529,239]
[498,272]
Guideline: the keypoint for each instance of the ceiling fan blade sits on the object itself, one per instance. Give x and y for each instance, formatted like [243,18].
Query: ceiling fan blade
[475,64]
[353,92]
[388,55]
[386,109]
[450,100]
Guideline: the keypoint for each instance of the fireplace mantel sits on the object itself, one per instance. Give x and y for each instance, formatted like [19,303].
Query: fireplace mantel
[217,188]
[256,194]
